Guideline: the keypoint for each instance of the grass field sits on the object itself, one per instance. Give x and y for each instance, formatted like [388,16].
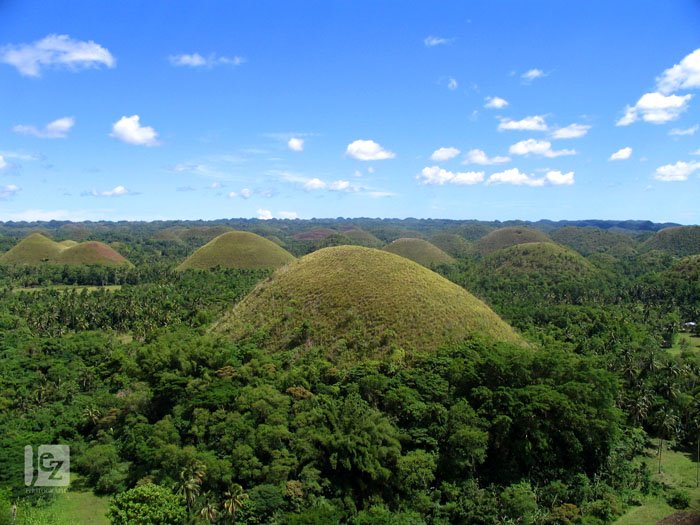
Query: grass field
[692,340]
[678,470]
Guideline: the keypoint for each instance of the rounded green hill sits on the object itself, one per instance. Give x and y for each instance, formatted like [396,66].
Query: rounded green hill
[505,237]
[679,241]
[542,258]
[68,243]
[33,249]
[588,241]
[314,234]
[91,252]
[362,238]
[420,251]
[360,302]
[452,244]
[238,249]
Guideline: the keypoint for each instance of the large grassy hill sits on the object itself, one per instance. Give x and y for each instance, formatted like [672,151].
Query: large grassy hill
[587,241]
[361,302]
[538,258]
[33,249]
[240,250]
[91,252]
[679,241]
[505,237]
[452,244]
[420,251]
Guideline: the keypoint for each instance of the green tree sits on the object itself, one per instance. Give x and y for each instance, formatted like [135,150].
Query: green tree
[147,505]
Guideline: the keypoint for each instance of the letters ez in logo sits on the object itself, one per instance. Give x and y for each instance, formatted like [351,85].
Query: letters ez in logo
[52,468]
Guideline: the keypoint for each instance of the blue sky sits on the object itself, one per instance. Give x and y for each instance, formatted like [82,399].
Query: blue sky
[451,109]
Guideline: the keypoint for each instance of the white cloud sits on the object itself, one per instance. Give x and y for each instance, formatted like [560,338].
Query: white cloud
[538,147]
[264,215]
[681,132]
[246,193]
[129,130]
[339,185]
[679,171]
[288,215]
[295,144]
[621,154]
[380,194]
[478,156]
[3,163]
[368,150]
[57,51]
[685,75]
[572,131]
[495,103]
[232,194]
[533,123]
[216,185]
[117,191]
[443,154]
[655,108]
[435,175]
[197,60]
[514,176]
[532,74]
[370,169]
[314,184]
[452,84]
[432,41]
[560,179]
[8,191]
[57,129]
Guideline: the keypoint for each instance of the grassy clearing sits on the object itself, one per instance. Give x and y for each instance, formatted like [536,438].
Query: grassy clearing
[693,342]
[75,507]
[68,287]
[678,470]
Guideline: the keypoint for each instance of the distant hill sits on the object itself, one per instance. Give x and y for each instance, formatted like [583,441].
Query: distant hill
[67,243]
[91,252]
[314,234]
[542,258]
[33,249]
[679,241]
[361,303]
[420,251]
[587,241]
[452,244]
[505,237]
[362,238]
[238,249]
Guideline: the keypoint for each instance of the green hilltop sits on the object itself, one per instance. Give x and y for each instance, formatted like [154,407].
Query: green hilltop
[452,244]
[91,252]
[361,303]
[679,241]
[240,250]
[505,237]
[588,241]
[33,249]
[420,251]
[537,258]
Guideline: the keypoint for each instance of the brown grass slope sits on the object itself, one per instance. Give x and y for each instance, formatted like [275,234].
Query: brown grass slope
[679,241]
[359,303]
[542,258]
[420,251]
[91,252]
[505,237]
[33,249]
[68,243]
[238,249]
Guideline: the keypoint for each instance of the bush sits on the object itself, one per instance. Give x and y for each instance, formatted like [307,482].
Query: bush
[147,505]
[678,499]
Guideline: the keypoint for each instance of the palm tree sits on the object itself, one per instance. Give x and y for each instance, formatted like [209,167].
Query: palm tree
[191,479]
[235,497]
[209,511]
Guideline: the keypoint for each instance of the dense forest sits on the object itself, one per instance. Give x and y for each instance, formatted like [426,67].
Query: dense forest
[178,421]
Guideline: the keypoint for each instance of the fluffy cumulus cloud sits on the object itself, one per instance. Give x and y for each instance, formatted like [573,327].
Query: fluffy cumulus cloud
[533,123]
[314,184]
[679,171]
[55,51]
[8,191]
[478,156]
[295,144]
[621,154]
[676,132]
[538,147]
[655,108]
[117,191]
[368,150]
[684,75]
[443,154]
[339,185]
[197,60]
[532,74]
[264,215]
[435,175]
[572,131]
[495,103]
[452,84]
[130,130]
[57,129]
[560,179]
[432,41]
[516,177]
